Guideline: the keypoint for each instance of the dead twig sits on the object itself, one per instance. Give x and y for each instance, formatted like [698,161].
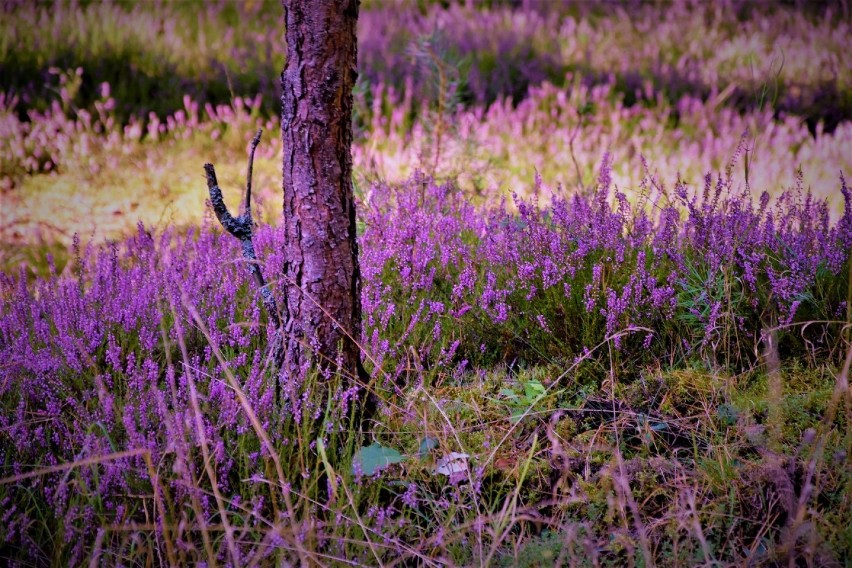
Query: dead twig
[241,229]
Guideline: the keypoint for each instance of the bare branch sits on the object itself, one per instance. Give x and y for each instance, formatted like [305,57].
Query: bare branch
[241,229]
[254,142]
[234,225]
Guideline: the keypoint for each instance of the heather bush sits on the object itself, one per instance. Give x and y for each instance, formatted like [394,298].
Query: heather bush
[559,133]
[132,337]
[51,141]
[550,282]
[792,59]
[562,132]
[135,387]
[641,357]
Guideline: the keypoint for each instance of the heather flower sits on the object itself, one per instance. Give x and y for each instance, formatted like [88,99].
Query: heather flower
[409,497]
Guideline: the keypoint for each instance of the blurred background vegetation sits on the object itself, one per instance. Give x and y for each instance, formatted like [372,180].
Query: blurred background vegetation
[154,53]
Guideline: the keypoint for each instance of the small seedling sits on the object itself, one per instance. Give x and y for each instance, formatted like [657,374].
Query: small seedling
[521,403]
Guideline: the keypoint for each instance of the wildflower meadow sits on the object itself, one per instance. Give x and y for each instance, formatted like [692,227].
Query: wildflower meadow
[606,288]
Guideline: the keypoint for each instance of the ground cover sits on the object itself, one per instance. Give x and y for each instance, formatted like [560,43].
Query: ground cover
[606,292]
[540,375]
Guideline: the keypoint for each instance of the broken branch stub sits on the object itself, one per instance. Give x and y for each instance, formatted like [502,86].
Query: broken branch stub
[241,229]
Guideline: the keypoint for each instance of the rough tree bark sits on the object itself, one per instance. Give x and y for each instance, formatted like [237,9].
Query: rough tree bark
[322,312]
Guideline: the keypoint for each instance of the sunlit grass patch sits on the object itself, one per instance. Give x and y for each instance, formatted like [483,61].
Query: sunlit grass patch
[107,180]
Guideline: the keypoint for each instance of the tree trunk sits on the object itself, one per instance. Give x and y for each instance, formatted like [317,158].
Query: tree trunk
[322,312]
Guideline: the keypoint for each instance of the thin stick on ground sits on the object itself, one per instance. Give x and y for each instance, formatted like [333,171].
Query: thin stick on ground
[71,465]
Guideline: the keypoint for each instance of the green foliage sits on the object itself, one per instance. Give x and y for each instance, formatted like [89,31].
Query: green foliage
[373,458]
[520,404]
